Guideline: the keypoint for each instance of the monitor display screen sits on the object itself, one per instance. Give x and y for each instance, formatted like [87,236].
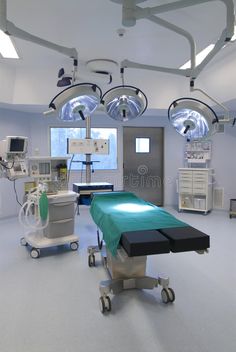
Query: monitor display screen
[17,145]
[44,168]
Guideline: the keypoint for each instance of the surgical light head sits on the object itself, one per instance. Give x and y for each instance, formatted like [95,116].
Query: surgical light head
[192,118]
[124,103]
[77,102]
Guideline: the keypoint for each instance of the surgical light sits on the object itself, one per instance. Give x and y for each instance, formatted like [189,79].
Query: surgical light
[124,103]
[192,118]
[77,102]
[7,49]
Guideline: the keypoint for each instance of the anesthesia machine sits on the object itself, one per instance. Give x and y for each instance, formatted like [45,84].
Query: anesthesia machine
[51,206]
[47,214]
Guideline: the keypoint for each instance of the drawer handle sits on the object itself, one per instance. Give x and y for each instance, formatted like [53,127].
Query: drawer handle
[62,221]
[62,204]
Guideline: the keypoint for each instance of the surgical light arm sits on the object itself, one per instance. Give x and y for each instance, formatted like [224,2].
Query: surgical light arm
[227,114]
[21,34]
[10,29]
[131,13]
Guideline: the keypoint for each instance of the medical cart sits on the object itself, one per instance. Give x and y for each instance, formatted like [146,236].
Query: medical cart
[60,228]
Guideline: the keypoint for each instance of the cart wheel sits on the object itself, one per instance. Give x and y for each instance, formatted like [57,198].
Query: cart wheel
[104,261]
[167,295]
[108,303]
[23,241]
[35,253]
[102,305]
[74,246]
[171,294]
[91,260]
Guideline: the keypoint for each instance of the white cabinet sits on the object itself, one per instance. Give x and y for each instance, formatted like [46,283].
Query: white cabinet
[195,189]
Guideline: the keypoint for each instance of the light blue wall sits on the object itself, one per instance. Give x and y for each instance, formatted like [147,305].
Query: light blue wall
[173,149]
[12,123]
[36,127]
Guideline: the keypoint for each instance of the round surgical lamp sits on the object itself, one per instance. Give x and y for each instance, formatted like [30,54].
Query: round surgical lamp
[192,118]
[124,103]
[77,101]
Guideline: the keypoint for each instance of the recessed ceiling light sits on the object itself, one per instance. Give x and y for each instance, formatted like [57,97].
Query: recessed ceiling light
[7,49]
[234,36]
[199,57]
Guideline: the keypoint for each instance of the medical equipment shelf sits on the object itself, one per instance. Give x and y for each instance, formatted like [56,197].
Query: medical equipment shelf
[198,152]
[195,188]
[85,190]
[40,242]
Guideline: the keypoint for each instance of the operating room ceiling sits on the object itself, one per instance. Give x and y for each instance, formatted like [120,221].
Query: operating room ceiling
[91,27]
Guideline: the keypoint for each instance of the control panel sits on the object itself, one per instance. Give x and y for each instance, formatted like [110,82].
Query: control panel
[88,146]
[40,169]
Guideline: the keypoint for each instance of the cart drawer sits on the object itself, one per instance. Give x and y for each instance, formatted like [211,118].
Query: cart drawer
[58,211]
[59,228]
[199,190]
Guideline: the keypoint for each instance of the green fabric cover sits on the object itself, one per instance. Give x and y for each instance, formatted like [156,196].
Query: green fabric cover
[43,206]
[118,212]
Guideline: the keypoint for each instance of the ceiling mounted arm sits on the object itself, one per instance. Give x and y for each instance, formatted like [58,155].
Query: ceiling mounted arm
[132,64]
[3,15]
[14,31]
[225,109]
[10,29]
[131,13]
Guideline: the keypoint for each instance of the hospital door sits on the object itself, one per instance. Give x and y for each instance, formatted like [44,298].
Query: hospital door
[143,162]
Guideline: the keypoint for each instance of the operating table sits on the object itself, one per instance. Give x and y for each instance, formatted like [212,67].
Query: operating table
[133,229]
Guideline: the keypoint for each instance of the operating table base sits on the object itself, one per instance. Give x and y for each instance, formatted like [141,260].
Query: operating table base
[115,286]
[120,271]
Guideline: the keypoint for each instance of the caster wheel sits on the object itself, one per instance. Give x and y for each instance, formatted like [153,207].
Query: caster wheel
[35,253]
[91,260]
[105,304]
[171,294]
[108,303]
[74,246]
[23,241]
[167,295]
[104,261]
[102,305]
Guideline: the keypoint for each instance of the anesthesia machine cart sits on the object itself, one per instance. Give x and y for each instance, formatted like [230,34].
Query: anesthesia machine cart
[51,205]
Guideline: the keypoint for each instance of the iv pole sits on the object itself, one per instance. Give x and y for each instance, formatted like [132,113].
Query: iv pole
[88,156]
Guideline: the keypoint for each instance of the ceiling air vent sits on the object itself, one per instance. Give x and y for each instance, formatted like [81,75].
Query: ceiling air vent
[218,198]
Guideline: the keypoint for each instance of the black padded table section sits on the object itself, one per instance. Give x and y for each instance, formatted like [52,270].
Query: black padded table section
[187,238]
[146,242]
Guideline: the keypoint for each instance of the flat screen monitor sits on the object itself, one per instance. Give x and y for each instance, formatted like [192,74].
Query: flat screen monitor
[16,145]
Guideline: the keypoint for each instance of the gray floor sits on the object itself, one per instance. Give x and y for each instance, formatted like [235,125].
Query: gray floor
[51,303]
